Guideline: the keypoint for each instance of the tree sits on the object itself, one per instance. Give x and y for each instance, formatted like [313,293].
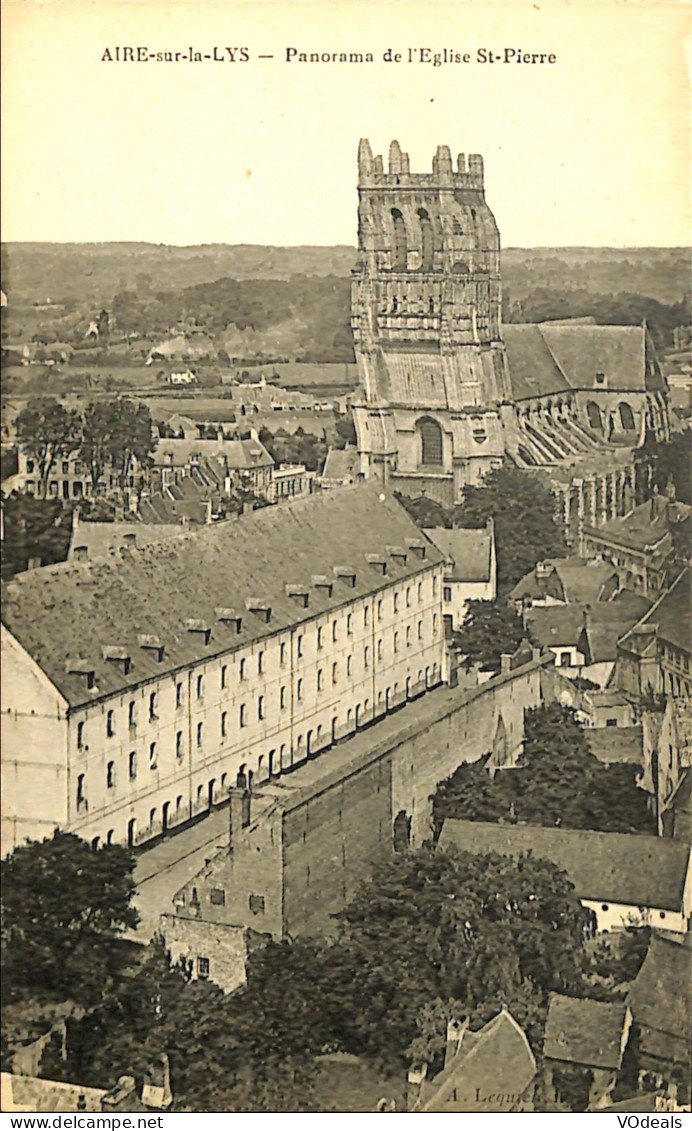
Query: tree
[489,629]
[425,512]
[63,905]
[34,528]
[557,782]
[115,433]
[47,431]
[523,510]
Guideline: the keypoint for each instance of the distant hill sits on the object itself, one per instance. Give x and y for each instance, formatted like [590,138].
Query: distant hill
[95,272]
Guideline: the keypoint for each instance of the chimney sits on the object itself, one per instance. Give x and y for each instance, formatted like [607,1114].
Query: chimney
[505,663]
[238,809]
[455,1035]
[33,563]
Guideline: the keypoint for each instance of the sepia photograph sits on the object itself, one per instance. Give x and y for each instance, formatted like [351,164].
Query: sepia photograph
[346,528]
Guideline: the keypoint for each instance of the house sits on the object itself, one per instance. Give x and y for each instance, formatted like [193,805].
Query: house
[589,1034]
[290,481]
[490,1070]
[138,685]
[584,638]
[607,708]
[655,655]
[340,468]
[246,461]
[622,878]
[640,544]
[95,539]
[565,581]
[33,1093]
[661,1003]
[470,568]
[182,377]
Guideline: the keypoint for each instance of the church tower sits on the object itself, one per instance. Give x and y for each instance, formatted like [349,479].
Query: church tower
[425,312]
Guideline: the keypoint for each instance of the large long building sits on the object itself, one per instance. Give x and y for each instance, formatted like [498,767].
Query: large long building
[446,391]
[138,687]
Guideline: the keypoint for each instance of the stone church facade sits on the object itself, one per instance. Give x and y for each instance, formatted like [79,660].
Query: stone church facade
[445,391]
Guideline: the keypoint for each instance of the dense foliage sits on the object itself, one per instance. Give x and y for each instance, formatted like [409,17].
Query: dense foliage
[34,528]
[557,781]
[489,629]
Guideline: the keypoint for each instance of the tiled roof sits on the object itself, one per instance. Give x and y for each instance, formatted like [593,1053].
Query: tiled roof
[73,609]
[237,453]
[640,528]
[672,614]
[584,1031]
[605,621]
[583,351]
[491,1077]
[638,870]
[661,1000]
[468,550]
[341,463]
[582,580]
[533,371]
[99,538]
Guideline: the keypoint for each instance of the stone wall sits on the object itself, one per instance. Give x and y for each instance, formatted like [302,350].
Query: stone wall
[223,947]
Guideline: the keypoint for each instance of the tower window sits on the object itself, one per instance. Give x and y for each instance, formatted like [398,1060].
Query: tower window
[399,248]
[431,441]
[426,240]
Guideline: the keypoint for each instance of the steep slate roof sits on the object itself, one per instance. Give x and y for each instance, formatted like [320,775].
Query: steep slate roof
[583,351]
[490,1077]
[661,1000]
[639,529]
[341,464]
[584,1031]
[582,579]
[73,609]
[533,370]
[672,614]
[605,622]
[237,453]
[470,552]
[637,870]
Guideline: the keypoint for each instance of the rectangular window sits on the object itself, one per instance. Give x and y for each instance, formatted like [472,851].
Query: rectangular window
[224,671]
[434,623]
[420,592]
[395,602]
[80,789]
[178,694]
[379,609]
[335,673]
[133,765]
[200,686]
[260,707]
[349,624]
[408,635]
[65,467]
[29,466]
[379,649]
[396,641]
[349,664]
[299,690]
[241,670]
[282,653]
[217,897]
[420,629]
[319,637]
[80,736]
[110,724]
[366,617]
[203,967]
[565,658]
[434,586]
[319,679]
[179,745]
[200,732]
[256,904]
[366,657]
[152,706]
[110,775]
[260,663]
[153,761]
[447,593]
[335,631]
[241,717]
[299,647]
[224,718]
[282,698]
[131,714]
[408,597]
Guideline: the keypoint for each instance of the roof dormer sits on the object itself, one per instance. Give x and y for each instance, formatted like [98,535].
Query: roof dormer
[229,616]
[346,574]
[398,554]
[417,546]
[85,668]
[321,581]
[193,624]
[152,643]
[117,653]
[378,561]
[261,607]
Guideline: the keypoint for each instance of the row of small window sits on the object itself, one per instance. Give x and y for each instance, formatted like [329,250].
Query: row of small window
[153,698]
[76,468]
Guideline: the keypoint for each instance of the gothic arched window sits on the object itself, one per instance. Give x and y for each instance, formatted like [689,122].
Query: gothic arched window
[626,416]
[431,441]
[399,250]
[426,240]
[593,413]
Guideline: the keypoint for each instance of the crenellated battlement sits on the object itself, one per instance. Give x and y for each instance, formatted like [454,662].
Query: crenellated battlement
[371,170]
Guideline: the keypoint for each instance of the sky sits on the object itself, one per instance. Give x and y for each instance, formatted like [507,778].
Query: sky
[591,150]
